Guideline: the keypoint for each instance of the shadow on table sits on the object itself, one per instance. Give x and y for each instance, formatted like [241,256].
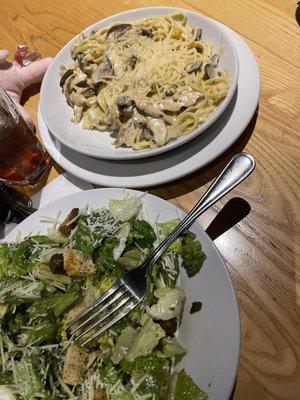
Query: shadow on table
[231,214]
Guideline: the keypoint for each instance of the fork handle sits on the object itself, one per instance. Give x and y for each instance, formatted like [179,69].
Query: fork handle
[238,168]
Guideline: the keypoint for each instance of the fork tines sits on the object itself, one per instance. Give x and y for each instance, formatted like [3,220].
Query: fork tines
[104,312]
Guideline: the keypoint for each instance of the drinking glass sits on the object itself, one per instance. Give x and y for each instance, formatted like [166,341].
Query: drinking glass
[23,160]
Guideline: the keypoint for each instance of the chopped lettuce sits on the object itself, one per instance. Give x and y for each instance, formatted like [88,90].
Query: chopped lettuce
[142,233]
[182,387]
[19,290]
[169,305]
[145,341]
[131,258]
[122,236]
[26,370]
[196,306]
[92,229]
[150,364]
[104,255]
[192,254]
[171,348]
[123,343]
[122,396]
[126,209]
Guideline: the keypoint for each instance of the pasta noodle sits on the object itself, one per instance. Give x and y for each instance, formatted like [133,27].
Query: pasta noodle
[149,81]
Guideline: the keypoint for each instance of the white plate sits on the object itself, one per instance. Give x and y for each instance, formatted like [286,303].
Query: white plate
[179,162]
[57,113]
[212,336]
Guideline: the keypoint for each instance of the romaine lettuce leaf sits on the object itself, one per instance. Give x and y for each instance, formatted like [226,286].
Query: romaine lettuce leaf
[122,396]
[131,258]
[192,254]
[104,255]
[18,290]
[150,364]
[92,229]
[126,209]
[142,233]
[171,348]
[182,387]
[123,343]
[169,305]
[122,236]
[145,341]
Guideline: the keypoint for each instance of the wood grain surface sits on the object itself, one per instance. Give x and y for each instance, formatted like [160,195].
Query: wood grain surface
[257,232]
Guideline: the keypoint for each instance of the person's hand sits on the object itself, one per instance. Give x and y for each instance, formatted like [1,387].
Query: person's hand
[14,77]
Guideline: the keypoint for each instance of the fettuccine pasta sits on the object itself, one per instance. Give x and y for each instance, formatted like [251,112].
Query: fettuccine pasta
[149,81]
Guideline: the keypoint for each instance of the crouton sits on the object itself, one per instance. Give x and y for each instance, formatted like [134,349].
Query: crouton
[66,226]
[76,263]
[72,314]
[75,364]
[99,394]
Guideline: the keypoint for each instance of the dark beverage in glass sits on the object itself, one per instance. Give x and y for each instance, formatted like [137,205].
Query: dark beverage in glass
[23,160]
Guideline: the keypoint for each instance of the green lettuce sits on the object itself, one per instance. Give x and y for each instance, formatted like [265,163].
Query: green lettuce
[192,254]
[182,387]
[124,210]
[18,290]
[145,341]
[142,233]
[169,305]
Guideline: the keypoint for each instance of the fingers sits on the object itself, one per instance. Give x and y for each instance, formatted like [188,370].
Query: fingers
[34,72]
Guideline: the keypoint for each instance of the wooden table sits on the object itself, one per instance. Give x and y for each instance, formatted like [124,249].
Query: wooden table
[261,250]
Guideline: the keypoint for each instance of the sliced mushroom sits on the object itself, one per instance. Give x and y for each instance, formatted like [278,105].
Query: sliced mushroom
[125,136]
[88,92]
[65,76]
[68,223]
[105,69]
[146,32]
[117,31]
[169,93]
[133,61]
[79,78]
[146,134]
[125,105]
[56,264]
[159,129]
[198,34]
[211,68]
[194,67]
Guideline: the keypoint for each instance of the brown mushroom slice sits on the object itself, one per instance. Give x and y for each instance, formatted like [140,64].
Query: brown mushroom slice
[105,69]
[69,222]
[125,136]
[79,78]
[194,67]
[65,76]
[146,32]
[211,68]
[125,105]
[198,34]
[118,30]
[88,92]
[159,129]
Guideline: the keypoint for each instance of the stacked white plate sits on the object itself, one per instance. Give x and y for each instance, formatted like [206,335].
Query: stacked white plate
[91,156]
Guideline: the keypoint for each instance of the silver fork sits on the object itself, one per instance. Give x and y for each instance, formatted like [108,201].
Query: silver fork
[130,290]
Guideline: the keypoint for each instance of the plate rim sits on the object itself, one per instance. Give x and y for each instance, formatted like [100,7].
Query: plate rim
[140,182]
[14,233]
[132,155]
